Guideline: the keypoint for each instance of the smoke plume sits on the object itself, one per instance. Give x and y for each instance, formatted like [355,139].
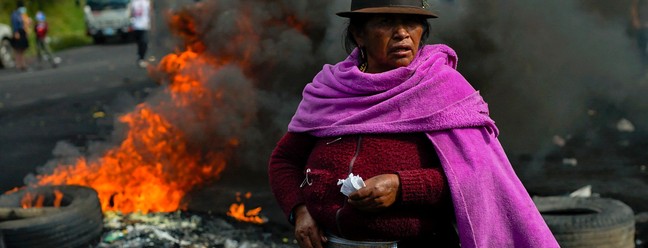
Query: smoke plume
[546,68]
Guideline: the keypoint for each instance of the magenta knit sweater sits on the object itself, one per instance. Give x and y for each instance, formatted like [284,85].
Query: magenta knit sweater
[423,207]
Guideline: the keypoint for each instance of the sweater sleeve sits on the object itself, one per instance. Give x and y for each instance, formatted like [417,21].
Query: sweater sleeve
[426,186]
[286,169]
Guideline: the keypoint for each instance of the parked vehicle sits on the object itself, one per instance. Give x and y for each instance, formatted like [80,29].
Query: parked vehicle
[107,18]
[6,52]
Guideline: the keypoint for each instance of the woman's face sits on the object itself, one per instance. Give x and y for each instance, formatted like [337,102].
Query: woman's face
[391,41]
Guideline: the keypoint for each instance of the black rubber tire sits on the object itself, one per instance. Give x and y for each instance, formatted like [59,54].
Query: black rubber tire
[579,222]
[79,223]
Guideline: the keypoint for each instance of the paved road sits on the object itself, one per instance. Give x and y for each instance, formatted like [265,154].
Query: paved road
[40,108]
[84,70]
[43,106]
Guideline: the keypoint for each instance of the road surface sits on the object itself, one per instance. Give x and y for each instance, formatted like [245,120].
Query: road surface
[45,105]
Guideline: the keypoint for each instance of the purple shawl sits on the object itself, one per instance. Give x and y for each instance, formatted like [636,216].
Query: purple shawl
[491,205]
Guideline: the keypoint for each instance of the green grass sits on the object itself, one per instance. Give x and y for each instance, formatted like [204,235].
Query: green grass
[67,28]
[65,19]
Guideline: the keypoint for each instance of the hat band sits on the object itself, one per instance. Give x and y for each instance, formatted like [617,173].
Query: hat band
[362,4]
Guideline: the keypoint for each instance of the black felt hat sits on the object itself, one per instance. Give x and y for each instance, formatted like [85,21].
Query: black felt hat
[410,7]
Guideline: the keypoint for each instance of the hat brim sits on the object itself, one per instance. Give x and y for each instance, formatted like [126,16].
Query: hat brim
[389,10]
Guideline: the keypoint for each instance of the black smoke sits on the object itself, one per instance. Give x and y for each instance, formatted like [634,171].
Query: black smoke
[548,68]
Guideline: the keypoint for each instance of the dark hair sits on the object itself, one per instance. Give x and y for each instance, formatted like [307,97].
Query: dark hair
[359,21]
[19,4]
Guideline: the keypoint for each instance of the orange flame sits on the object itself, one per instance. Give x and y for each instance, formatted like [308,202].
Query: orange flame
[14,190]
[39,201]
[292,21]
[157,162]
[237,211]
[151,170]
[58,197]
[155,165]
[26,201]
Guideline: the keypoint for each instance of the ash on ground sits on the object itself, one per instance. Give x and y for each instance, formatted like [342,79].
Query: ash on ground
[191,230]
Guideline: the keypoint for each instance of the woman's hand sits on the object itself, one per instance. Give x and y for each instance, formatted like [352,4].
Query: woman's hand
[307,233]
[16,35]
[380,192]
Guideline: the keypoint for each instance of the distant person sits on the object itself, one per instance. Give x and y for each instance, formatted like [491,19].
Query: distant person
[20,43]
[639,19]
[141,20]
[43,50]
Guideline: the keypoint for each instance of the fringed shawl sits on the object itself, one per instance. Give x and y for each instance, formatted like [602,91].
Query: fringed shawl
[491,205]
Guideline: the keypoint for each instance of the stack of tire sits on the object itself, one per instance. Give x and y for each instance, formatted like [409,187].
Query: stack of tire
[588,222]
[78,222]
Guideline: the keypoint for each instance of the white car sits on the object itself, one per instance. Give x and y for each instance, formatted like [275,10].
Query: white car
[108,18]
[6,52]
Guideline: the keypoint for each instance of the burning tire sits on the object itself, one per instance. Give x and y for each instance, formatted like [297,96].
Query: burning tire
[78,222]
[588,222]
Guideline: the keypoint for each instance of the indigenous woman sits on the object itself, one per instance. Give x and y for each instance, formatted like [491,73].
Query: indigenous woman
[398,114]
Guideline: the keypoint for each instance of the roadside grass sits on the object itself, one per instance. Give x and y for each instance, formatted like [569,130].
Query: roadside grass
[65,19]
[66,23]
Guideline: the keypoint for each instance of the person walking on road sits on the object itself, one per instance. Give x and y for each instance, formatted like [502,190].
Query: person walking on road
[19,23]
[639,19]
[141,21]
[43,50]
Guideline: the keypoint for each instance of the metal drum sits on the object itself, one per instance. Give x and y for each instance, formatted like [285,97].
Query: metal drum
[337,242]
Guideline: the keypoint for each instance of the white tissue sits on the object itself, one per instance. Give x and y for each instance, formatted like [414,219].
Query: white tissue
[350,184]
